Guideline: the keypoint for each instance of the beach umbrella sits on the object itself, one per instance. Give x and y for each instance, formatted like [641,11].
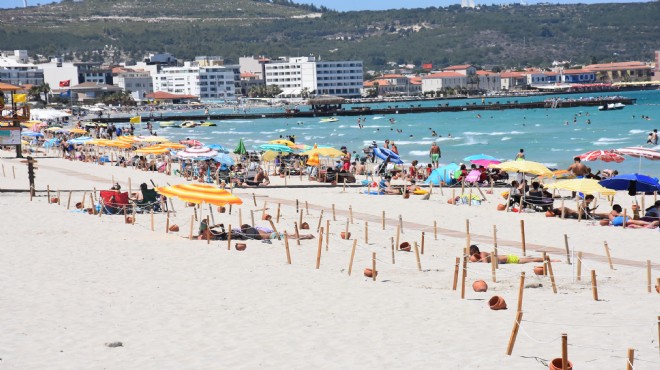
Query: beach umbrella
[75,131]
[224,158]
[288,143]
[558,174]
[639,152]
[276,148]
[31,134]
[173,145]
[200,152]
[200,193]
[441,174]
[23,142]
[633,182]
[602,155]
[240,149]
[530,167]
[323,152]
[54,129]
[313,160]
[270,155]
[79,140]
[485,162]
[477,157]
[152,150]
[585,186]
[152,139]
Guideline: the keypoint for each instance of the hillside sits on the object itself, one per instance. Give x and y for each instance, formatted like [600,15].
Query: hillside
[493,35]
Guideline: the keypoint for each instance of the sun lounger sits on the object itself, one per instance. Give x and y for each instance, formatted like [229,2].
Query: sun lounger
[114,202]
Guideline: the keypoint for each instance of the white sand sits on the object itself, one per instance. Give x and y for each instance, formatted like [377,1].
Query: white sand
[73,282]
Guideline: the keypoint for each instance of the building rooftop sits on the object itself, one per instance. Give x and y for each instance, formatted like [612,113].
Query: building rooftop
[165,96]
[443,75]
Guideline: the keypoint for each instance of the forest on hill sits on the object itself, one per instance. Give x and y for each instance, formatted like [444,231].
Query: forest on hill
[511,36]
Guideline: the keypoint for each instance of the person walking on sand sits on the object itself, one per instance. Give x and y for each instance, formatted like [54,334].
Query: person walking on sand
[435,154]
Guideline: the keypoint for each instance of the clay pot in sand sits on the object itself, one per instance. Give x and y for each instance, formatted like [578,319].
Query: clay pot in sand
[129,220]
[265,217]
[240,246]
[549,214]
[304,226]
[346,236]
[406,195]
[451,201]
[557,364]
[489,192]
[538,270]
[369,272]
[174,228]
[79,205]
[405,246]
[222,209]
[191,204]
[90,211]
[497,303]
[54,200]
[501,207]
[480,286]
[604,222]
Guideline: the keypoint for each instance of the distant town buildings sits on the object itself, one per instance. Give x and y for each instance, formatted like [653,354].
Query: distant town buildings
[210,81]
[15,69]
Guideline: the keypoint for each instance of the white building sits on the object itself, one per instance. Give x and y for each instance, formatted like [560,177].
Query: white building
[138,83]
[293,75]
[489,81]
[438,81]
[214,82]
[16,70]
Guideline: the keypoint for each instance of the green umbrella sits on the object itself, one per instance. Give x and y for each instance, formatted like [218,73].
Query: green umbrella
[240,149]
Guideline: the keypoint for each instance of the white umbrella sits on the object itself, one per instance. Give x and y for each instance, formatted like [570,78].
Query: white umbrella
[201,152]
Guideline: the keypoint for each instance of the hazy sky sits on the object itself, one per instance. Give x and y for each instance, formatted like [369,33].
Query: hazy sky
[344,5]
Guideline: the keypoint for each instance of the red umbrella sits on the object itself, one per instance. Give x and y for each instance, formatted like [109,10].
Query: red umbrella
[639,152]
[603,155]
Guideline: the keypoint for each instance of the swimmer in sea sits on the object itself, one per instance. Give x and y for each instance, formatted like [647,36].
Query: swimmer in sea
[434,134]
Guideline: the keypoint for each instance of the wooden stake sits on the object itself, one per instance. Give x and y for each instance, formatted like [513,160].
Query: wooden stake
[3,171]
[435,230]
[464,276]
[327,234]
[401,223]
[130,188]
[318,250]
[609,257]
[300,218]
[263,209]
[568,253]
[68,201]
[13,171]
[564,351]
[522,235]
[167,221]
[343,189]
[398,235]
[192,221]
[579,267]
[295,226]
[254,200]
[373,264]
[286,247]
[272,225]
[493,266]
[277,218]
[648,274]
[252,217]
[394,261]
[334,216]
[631,359]
[521,289]
[456,268]
[318,227]
[48,193]
[346,230]
[152,220]
[563,210]
[228,236]
[422,242]
[366,234]
[552,275]
[383,222]
[83,199]
[350,263]
[545,265]
[594,285]
[467,234]
[208,229]
[497,261]
[306,208]
[514,333]
[59,199]
[624,217]
[419,263]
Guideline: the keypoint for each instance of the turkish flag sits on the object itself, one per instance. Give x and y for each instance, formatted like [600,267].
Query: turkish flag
[65,83]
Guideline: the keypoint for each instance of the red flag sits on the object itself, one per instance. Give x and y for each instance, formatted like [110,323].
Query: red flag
[65,83]
[427,66]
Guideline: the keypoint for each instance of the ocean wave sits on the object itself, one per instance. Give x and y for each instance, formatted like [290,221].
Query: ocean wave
[235,121]
[418,152]
[506,138]
[609,141]
[472,141]
[550,165]
[237,133]
[494,133]
[635,132]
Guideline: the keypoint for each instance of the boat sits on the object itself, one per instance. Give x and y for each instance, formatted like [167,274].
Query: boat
[189,124]
[207,124]
[168,124]
[612,106]
[329,119]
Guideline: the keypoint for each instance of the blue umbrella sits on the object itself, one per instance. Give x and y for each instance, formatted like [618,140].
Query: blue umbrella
[439,173]
[477,157]
[224,158]
[32,134]
[633,182]
[79,140]
[219,148]
[276,148]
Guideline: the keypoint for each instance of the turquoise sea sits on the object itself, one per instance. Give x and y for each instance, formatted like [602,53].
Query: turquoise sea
[543,133]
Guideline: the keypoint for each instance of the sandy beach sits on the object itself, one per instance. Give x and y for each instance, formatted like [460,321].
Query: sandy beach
[74,283]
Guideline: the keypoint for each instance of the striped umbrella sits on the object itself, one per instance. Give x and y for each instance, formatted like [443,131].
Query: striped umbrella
[639,152]
[603,155]
[200,193]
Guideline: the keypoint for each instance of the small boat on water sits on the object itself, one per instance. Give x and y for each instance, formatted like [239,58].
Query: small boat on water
[613,106]
[168,124]
[329,119]
[207,124]
[189,124]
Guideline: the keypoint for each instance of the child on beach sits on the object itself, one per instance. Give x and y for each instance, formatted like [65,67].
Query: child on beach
[478,256]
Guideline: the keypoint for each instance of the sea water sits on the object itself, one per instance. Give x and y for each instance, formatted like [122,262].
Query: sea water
[550,136]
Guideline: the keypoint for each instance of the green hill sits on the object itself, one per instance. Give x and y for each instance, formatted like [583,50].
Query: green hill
[493,35]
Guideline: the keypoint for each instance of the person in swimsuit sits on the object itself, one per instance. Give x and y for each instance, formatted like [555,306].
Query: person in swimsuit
[478,256]
[435,154]
[616,219]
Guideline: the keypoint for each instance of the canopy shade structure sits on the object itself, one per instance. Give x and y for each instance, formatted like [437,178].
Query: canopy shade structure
[288,143]
[585,186]
[558,174]
[276,148]
[156,149]
[200,193]
[530,167]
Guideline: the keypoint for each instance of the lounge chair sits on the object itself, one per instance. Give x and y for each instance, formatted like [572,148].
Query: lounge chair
[538,203]
[114,202]
[150,202]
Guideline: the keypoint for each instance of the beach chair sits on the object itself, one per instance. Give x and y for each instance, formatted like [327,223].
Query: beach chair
[150,202]
[538,203]
[113,202]
[473,177]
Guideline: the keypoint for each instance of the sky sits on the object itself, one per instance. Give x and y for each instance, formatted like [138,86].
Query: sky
[346,5]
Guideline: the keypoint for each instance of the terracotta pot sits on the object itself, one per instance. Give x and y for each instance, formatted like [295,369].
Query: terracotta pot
[129,220]
[54,200]
[451,201]
[174,228]
[497,303]
[90,211]
[406,195]
[549,214]
[265,217]
[79,205]
[604,222]
[480,286]
[556,364]
[222,209]
[538,270]
[489,192]
[345,236]
[334,183]
[304,226]
[501,207]
[369,272]
[405,246]
[191,204]
[240,246]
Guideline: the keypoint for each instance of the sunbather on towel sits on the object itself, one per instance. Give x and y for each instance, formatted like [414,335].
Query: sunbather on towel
[616,219]
[477,256]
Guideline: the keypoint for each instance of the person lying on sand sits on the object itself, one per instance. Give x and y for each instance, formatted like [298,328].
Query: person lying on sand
[584,208]
[265,233]
[207,232]
[477,256]
[615,219]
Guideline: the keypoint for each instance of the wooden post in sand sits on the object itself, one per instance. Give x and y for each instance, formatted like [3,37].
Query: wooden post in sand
[300,218]
[334,215]
[13,171]
[192,221]
[83,199]
[631,359]
[240,216]
[568,253]
[68,201]
[272,225]
[59,199]
[625,211]
[130,187]
[383,220]
[422,242]
[167,221]
[521,289]
[467,234]
[254,200]
[563,210]
[394,260]
[346,230]
[263,209]
[545,266]
[464,276]
[658,323]
[277,217]
[594,285]
[366,233]
[453,196]
[401,223]
[419,263]
[318,250]
[579,266]
[48,193]
[435,230]
[508,201]
[286,248]
[493,266]
[327,234]
[648,275]
[497,262]
[3,171]
[228,236]
[456,267]
[252,217]
[306,208]
[514,333]
[564,351]
[552,275]
[318,227]
[373,264]
[398,235]
[609,257]
[522,236]
[350,263]
[295,227]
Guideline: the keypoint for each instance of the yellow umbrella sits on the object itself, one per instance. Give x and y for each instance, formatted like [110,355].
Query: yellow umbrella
[313,160]
[288,143]
[152,150]
[127,139]
[172,145]
[76,131]
[54,129]
[559,174]
[531,167]
[152,139]
[29,124]
[99,142]
[23,142]
[323,152]
[200,193]
[586,186]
